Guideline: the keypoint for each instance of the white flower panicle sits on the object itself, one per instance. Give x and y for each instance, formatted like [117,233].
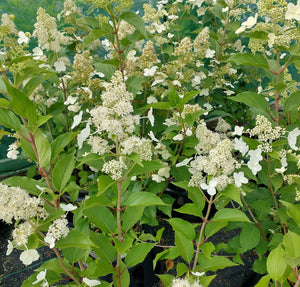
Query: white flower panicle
[58,229]
[99,145]
[207,139]
[49,38]
[141,146]
[265,132]
[22,232]
[114,168]
[16,203]
[115,116]
[217,162]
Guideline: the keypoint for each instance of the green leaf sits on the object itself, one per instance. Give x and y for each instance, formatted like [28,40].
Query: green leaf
[173,97]
[188,96]
[138,253]
[131,216]
[159,106]
[166,279]
[104,182]
[75,238]
[144,199]
[4,103]
[107,69]
[103,246]
[207,249]
[293,211]
[135,20]
[248,59]
[291,243]
[181,269]
[264,281]
[213,227]
[21,104]
[252,99]
[43,148]
[185,246]
[74,254]
[134,84]
[60,143]
[9,120]
[62,171]
[32,84]
[94,35]
[249,237]
[292,102]
[214,263]
[229,214]
[275,265]
[232,192]
[124,245]
[190,208]
[102,217]
[182,226]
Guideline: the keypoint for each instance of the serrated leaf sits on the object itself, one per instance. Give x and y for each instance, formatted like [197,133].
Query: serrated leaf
[275,265]
[9,120]
[214,263]
[213,227]
[190,208]
[138,253]
[232,192]
[43,148]
[185,246]
[21,104]
[144,199]
[131,216]
[249,237]
[94,35]
[293,211]
[62,171]
[253,100]
[104,182]
[264,281]
[292,102]
[102,217]
[229,214]
[182,226]
[60,143]
[248,59]
[75,238]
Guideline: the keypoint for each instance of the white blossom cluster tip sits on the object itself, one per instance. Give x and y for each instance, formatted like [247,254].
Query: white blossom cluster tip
[141,146]
[265,133]
[214,164]
[114,168]
[16,204]
[49,38]
[57,230]
[115,115]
